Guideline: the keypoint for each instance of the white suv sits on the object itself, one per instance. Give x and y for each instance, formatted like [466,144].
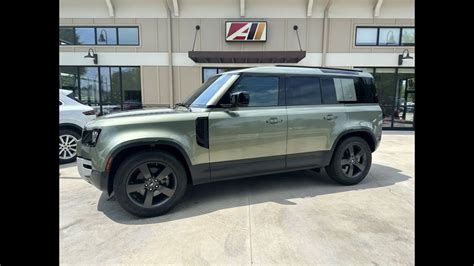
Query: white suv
[73,115]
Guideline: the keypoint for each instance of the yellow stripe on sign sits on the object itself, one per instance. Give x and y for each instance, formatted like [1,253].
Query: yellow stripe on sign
[260,28]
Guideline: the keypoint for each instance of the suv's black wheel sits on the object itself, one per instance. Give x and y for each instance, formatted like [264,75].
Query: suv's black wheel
[68,145]
[351,161]
[150,183]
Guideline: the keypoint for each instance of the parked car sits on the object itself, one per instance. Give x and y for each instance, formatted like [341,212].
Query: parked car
[237,124]
[73,115]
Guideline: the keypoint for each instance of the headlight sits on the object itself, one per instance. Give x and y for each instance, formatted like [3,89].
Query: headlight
[90,137]
[95,136]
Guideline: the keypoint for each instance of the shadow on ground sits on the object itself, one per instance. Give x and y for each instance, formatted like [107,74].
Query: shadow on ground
[277,188]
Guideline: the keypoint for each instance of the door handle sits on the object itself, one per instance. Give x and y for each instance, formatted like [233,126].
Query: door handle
[273,120]
[330,117]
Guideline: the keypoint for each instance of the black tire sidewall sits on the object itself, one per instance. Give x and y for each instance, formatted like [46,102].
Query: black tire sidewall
[334,169]
[72,133]
[124,170]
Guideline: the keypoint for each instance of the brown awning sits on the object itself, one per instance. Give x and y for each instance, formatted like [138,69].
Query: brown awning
[247,56]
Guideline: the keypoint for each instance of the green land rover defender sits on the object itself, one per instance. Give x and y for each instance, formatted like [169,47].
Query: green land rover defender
[240,123]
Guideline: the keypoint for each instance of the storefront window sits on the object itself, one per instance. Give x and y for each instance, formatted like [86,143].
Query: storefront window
[106,89]
[366,36]
[389,36]
[396,94]
[408,36]
[85,35]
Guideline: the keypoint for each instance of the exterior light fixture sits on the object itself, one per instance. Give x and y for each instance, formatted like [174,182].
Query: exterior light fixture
[91,54]
[195,35]
[103,36]
[295,28]
[404,55]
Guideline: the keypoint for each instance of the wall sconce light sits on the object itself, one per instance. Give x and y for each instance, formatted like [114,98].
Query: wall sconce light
[92,55]
[295,28]
[403,56]
[195,35]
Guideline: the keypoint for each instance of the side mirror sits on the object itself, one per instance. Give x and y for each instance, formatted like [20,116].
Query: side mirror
[240,98]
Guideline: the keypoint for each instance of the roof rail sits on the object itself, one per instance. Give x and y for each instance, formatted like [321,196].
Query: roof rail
[328,68]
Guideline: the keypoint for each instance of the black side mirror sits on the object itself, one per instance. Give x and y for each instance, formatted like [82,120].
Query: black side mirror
[240,98]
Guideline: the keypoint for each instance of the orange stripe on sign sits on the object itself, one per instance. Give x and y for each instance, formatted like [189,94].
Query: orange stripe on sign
[260,28]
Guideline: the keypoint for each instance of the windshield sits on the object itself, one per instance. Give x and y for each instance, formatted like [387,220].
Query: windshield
[202,95]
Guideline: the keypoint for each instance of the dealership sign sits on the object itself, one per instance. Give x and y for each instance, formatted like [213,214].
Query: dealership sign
[246,31]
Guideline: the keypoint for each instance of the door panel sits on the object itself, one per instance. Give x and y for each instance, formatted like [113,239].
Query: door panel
[256,136]
[311,132]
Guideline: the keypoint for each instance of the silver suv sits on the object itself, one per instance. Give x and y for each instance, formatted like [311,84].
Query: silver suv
[237,124]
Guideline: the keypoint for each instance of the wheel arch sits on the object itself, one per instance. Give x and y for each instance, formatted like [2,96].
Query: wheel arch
[120,153]
[71,126]
[363,133]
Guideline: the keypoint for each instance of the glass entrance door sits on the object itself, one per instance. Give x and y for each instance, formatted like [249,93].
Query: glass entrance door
[396,92]
[405,103]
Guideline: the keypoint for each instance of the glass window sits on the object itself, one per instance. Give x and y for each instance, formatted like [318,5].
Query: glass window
[303,91]
[345,89]
[107,36]
[89,81]
[262,90]
[202,96]
[60,103]
[66,36]
[389,36]
[131,87]
[68,79]
[408,36]
[366,36]
[128,36]
[85,36]
[208,72]
[107,89]
[111,96]
[328,91]
[365,90]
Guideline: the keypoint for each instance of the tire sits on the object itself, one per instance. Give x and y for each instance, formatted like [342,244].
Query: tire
[68,145]
[152,193]
[340,167]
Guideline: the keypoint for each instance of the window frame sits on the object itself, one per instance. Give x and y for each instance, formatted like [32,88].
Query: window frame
[400,29]
[281,90]
[95,27]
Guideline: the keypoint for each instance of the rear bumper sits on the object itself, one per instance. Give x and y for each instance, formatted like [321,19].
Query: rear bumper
[94,177]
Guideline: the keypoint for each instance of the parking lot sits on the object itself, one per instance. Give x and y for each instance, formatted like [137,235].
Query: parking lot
[300,217]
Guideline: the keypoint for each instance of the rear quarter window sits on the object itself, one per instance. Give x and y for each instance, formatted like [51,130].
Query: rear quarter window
[348,90]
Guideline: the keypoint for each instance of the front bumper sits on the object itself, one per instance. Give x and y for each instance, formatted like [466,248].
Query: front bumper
[94,177]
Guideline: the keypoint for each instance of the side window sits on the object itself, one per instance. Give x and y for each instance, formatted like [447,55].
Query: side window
[262,90]
[60,103]
[303,91]
[345,89]
[328,91]
[366,92]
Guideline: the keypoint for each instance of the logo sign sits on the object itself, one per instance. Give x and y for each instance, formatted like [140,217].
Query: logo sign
[246,31]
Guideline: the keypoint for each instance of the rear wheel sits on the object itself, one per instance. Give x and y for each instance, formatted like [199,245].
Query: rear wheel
[351,161]
[150,183]
[68,145]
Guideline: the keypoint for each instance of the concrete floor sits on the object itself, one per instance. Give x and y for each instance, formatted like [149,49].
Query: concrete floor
[292,218]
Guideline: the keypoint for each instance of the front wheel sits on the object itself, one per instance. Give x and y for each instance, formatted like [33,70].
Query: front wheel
[150,183]
[67,145]
[351,161]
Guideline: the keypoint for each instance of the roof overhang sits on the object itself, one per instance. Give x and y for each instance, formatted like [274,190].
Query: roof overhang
[247,56]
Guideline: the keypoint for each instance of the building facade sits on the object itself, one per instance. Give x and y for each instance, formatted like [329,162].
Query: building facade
[155,53]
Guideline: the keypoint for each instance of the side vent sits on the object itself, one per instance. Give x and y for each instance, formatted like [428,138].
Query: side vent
[202,132]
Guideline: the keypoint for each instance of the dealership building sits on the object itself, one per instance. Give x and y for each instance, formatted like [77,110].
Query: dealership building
[124,54]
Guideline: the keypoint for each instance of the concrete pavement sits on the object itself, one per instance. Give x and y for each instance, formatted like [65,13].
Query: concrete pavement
[291,218]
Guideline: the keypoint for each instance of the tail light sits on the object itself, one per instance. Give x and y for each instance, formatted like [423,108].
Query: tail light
[91,112]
